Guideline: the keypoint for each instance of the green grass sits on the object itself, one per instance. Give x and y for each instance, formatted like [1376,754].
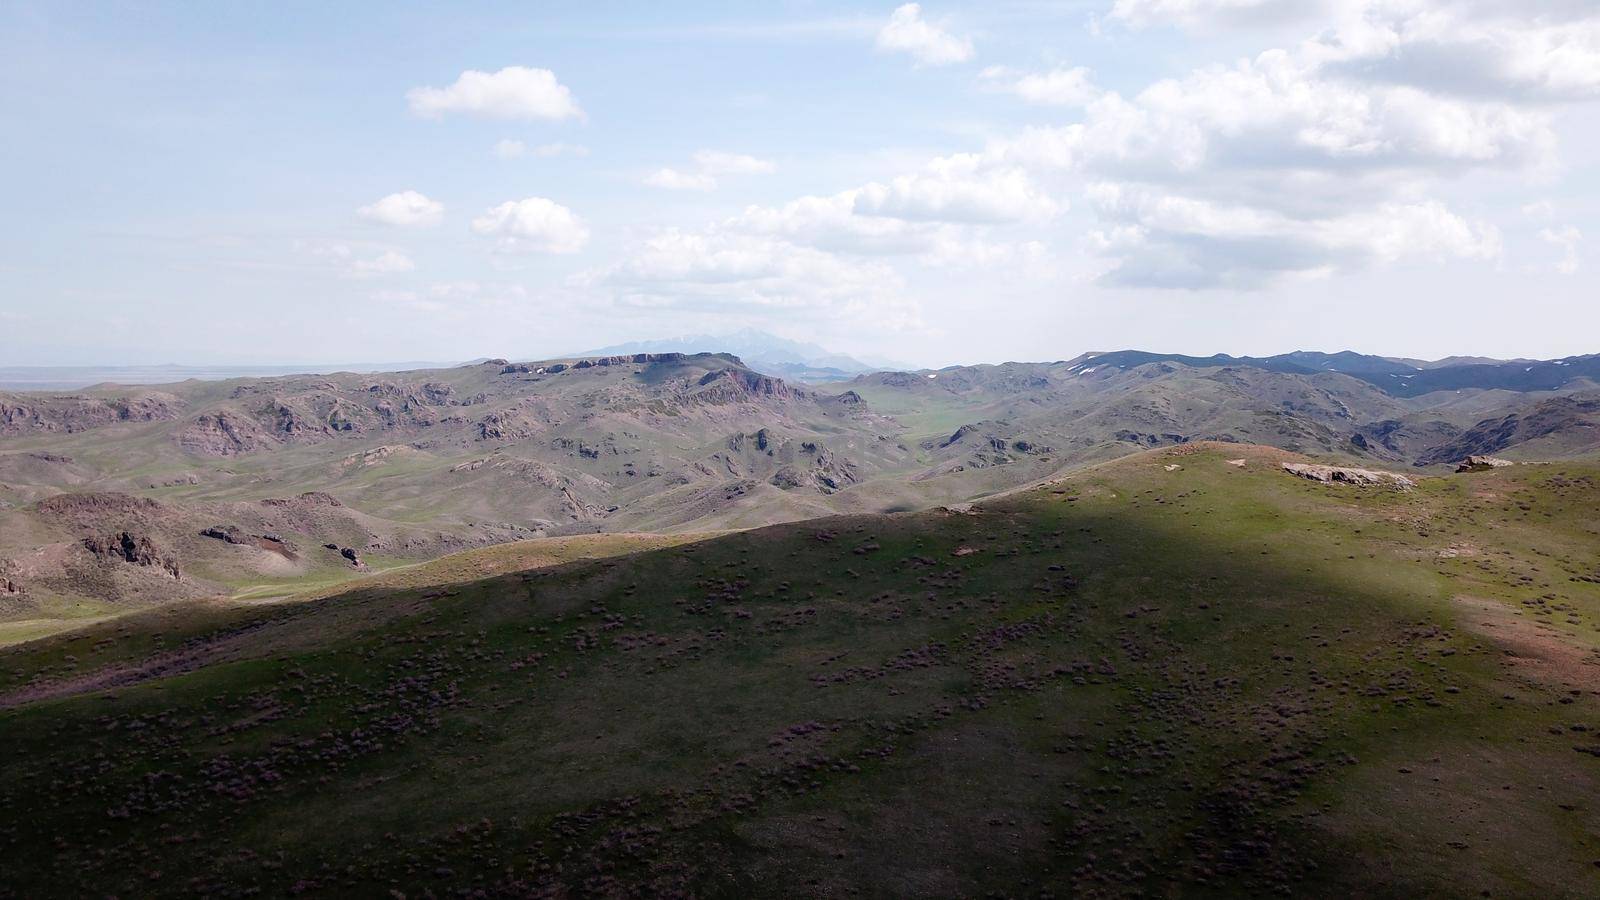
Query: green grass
[1196,682]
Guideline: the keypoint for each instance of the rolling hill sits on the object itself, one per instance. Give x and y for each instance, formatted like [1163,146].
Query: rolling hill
[1185,671]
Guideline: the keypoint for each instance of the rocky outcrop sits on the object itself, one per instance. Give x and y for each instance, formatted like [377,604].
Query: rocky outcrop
[959,435]
[133,549]
[1152,440]
[309,499]
[20,414]
[741,385]
[227,533]
[1483,464]
[223,433]
[827,472]
[1347,475]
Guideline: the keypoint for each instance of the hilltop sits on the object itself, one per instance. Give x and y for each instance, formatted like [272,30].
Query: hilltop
[1184,671]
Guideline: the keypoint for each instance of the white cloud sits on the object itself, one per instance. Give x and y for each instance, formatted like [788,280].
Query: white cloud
[1057,87]
[1539,209]
[929,43]
[1158,239]
[1567,238]
[709,166]
[1537,49]
[1545,50]
[405,209]
[389,262]
[515,92]
[674,180]
[958,189]
[534,224]
[1281,166]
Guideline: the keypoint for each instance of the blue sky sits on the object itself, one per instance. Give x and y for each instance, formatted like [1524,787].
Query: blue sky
[940,183]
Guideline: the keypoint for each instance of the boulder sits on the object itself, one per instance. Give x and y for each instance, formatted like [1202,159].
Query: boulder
[228,533]
[1483,464]
[1348,475]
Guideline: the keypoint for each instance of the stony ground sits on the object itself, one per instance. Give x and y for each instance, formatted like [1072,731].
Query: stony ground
[1173,674]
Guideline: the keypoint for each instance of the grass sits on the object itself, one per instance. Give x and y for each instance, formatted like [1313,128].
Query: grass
[1213,680]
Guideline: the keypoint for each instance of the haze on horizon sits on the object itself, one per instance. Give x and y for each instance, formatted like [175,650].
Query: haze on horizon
[939,183]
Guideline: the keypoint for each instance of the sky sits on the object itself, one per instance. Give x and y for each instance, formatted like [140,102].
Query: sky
[938,183]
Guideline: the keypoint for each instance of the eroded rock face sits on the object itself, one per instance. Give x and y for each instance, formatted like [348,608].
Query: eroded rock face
[223,433]
[736,385]
[72,413]
[1347,475]
[1483,464]
[131,548]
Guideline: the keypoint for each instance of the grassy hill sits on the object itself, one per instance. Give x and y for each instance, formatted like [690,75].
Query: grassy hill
[1185,671]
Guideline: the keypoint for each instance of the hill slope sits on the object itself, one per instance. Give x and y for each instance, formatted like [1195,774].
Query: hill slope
[1168,674]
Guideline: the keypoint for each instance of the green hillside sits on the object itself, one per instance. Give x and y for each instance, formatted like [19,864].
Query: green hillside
[1168,674]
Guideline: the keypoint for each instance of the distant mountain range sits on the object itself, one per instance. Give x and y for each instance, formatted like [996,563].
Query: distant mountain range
[1397,377]
[761,351]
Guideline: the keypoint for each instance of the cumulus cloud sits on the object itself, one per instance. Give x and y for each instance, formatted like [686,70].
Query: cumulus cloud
[1543,50]
[1567,239]
[1057,87]
[1299,162]
[1164,240]
[929,43]
[535,224]
[1286,164]
[1535,49]
[515,92]
[407,209]
[709,166]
